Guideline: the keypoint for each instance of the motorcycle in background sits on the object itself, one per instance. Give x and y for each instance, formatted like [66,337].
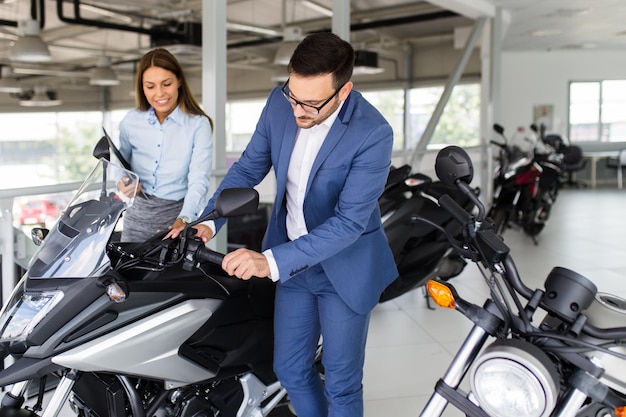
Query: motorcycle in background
[420,251]
[549,154]
[526,184]
[144,329]
[557,351]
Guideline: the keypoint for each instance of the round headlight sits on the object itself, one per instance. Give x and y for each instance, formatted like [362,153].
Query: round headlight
[514,378]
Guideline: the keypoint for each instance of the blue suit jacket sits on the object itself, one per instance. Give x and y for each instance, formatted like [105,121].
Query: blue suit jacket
[341,201]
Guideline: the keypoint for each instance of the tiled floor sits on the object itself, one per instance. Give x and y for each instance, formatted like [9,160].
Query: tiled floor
[410,346]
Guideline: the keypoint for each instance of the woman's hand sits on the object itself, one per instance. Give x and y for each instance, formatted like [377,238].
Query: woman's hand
[127,187]
[175,229]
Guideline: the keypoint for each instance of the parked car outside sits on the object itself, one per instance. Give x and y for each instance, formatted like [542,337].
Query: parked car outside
[38,212]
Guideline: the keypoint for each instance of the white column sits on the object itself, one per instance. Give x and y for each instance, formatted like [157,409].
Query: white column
[214,79]
[341,19]
[8,248]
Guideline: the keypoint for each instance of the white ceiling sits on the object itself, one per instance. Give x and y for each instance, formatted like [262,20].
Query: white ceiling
[565,24]
[382,24]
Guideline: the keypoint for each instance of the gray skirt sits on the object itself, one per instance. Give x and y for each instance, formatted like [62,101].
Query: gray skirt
[148,216]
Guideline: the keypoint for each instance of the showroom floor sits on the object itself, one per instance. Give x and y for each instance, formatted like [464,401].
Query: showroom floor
[410,346]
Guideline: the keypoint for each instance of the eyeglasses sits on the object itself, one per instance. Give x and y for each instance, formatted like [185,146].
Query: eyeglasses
[309,108]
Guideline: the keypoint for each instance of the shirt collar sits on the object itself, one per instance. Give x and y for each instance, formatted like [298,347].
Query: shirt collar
[176,116]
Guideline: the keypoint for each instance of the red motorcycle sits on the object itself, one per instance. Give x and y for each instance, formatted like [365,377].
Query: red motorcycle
[525,184]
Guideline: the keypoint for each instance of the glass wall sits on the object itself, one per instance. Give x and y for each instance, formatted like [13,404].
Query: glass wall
[56,147]
[459,124]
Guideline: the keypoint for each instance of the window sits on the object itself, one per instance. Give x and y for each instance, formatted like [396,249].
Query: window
[242,116]
[596,111]
[459,123]
[55,147]
[241,119]
[391,104]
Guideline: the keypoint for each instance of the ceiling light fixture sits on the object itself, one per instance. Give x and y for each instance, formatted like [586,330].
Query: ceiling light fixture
[543,33]
[250,28]
[291,38]
[8,83]
[104,74]
[569,12]
[29,47]
[41,98]
[366,63]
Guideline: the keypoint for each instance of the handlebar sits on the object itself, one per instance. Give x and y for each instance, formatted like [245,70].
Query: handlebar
[493,251]
[201,253]
[452,207]
[501,145]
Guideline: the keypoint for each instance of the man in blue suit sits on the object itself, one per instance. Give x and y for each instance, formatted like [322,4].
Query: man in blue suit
[324,246]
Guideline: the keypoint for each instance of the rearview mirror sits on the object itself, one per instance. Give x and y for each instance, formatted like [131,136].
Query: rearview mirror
[38,234]
[101,150]
[236,202]
[453,164]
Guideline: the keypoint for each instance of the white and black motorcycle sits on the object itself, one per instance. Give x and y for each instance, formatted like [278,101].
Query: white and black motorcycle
[559,351]
[136,329]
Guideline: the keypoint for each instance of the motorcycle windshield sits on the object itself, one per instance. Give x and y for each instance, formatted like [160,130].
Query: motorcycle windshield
[76,245]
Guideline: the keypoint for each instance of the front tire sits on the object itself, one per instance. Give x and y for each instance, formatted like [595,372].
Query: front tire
[500,219]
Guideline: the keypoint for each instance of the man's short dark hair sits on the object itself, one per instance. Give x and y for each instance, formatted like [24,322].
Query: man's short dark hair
[323,53]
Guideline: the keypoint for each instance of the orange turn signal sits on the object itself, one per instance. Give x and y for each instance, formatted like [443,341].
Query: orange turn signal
[620,411]
[441,294]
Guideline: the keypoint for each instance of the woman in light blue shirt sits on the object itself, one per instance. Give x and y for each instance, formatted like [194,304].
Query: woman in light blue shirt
[167,140]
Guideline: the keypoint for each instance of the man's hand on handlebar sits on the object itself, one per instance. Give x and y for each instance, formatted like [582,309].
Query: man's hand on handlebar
[246,264]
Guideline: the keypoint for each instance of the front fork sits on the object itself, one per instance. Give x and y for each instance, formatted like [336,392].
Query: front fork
[14,399]
[445,391]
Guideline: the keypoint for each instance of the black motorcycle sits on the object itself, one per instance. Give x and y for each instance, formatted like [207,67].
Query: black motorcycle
[420,251]
[525,184]
[153,328]
[552,352]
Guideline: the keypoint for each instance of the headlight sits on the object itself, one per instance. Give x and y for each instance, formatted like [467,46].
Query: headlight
[514,378]
[24,311]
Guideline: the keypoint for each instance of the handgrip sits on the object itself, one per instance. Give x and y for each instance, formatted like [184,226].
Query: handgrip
[208,255]
[452,207]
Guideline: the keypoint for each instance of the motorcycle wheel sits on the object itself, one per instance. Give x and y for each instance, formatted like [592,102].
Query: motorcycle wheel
[500,219]
[452,267]
[535,220]
[533,229]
